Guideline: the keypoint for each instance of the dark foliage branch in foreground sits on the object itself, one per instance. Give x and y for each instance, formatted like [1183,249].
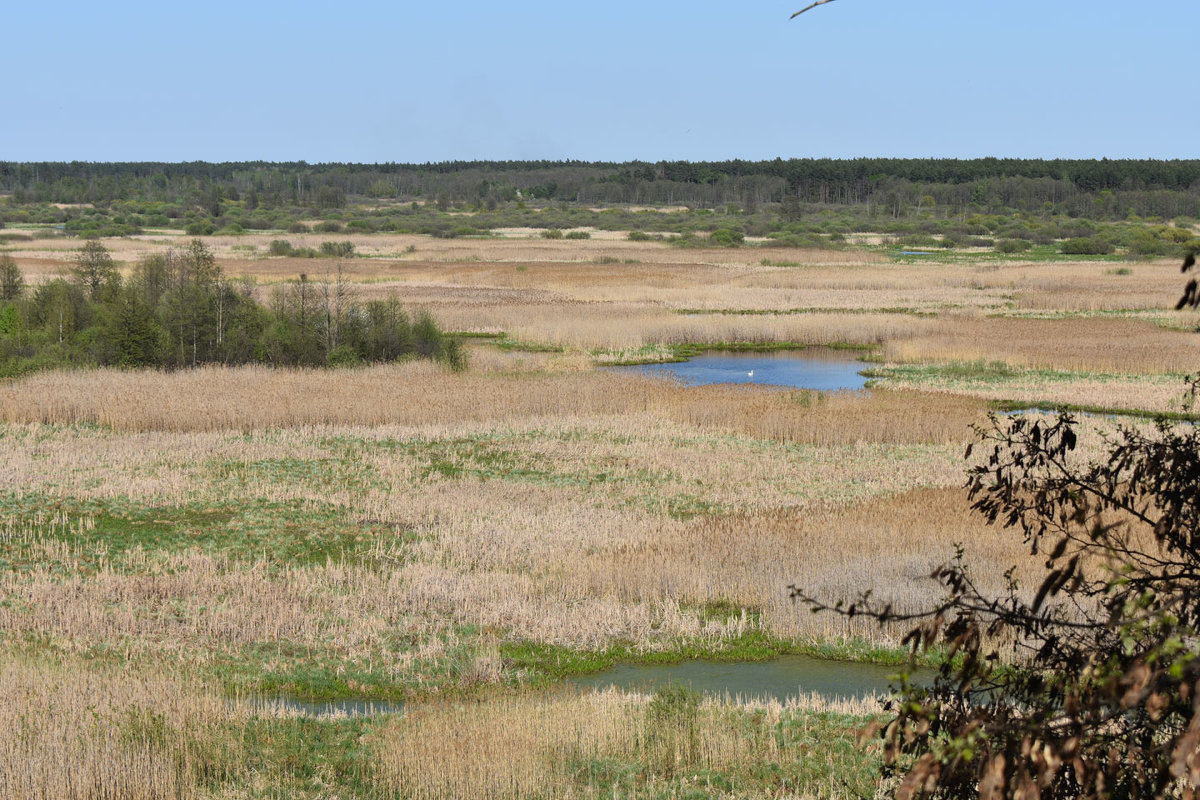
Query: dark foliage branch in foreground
[1098,695]
[1087,685]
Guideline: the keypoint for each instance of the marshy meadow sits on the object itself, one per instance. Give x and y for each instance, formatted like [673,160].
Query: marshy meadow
[184,550]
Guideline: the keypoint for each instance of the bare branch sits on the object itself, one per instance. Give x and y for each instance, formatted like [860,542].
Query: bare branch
[809,8]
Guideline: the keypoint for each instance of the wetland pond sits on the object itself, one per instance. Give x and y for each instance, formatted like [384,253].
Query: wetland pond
[779,679]
[815,368]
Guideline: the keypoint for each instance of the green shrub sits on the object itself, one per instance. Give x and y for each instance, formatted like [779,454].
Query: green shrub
[328,226]
[726,237]
[1086,246]
[343,356]
[280,247]
[1012,246]
[200,227]
[918,241]
[639,236]
[578,235]
[552,233]
[297,227]
[1146,244]
[337,249]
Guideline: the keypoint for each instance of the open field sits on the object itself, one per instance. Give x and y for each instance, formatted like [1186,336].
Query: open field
[175,545]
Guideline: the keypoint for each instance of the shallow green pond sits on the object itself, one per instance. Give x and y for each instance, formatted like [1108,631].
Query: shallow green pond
[779,679]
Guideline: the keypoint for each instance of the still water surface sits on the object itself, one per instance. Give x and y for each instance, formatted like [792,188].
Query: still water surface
[784,677]
[780,679]
[822,370]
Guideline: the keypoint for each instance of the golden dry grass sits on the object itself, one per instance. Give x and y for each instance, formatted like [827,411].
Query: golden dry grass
[531,499]
[1152,393]
[1119,346]
[577,532]
[528,747]
[419,394]
[71,730]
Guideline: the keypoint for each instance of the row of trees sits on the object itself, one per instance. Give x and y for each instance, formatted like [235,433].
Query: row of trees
[178,309]
[1162,188]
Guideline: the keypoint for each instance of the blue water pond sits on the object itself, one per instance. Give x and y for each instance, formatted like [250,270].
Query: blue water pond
[822,370]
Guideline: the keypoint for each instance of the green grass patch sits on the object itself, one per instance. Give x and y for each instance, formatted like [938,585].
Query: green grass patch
[544,663]
[246,530]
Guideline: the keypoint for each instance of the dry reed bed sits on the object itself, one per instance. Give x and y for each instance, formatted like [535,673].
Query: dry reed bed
[73,730]
[761,300]
[1120,346]
[1153,393]
[580,551]
[248,254]
[419,394]
[615,326]
[529,747]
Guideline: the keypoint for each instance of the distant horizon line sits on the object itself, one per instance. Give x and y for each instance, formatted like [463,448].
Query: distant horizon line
[584,162]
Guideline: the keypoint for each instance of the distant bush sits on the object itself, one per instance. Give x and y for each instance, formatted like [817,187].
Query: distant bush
[726,237]
[1012,246]
[457,231]
[200,227]
[917,241]
[279,247]
[328,226]
[1146,244]
[578,235]
[552,233]
[1174,235]
[298,227]
[1085,246]
[688,240]
[639,236]
[337,249]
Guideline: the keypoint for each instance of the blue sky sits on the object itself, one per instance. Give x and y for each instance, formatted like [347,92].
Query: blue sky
[415,82]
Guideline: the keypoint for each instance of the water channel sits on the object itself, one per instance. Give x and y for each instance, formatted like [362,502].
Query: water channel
[815,368]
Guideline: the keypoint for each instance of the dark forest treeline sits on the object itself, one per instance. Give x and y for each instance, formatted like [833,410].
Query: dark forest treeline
[178,310]
[1098,189]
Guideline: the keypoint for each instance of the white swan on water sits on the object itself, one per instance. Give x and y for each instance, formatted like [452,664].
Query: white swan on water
[750,374]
